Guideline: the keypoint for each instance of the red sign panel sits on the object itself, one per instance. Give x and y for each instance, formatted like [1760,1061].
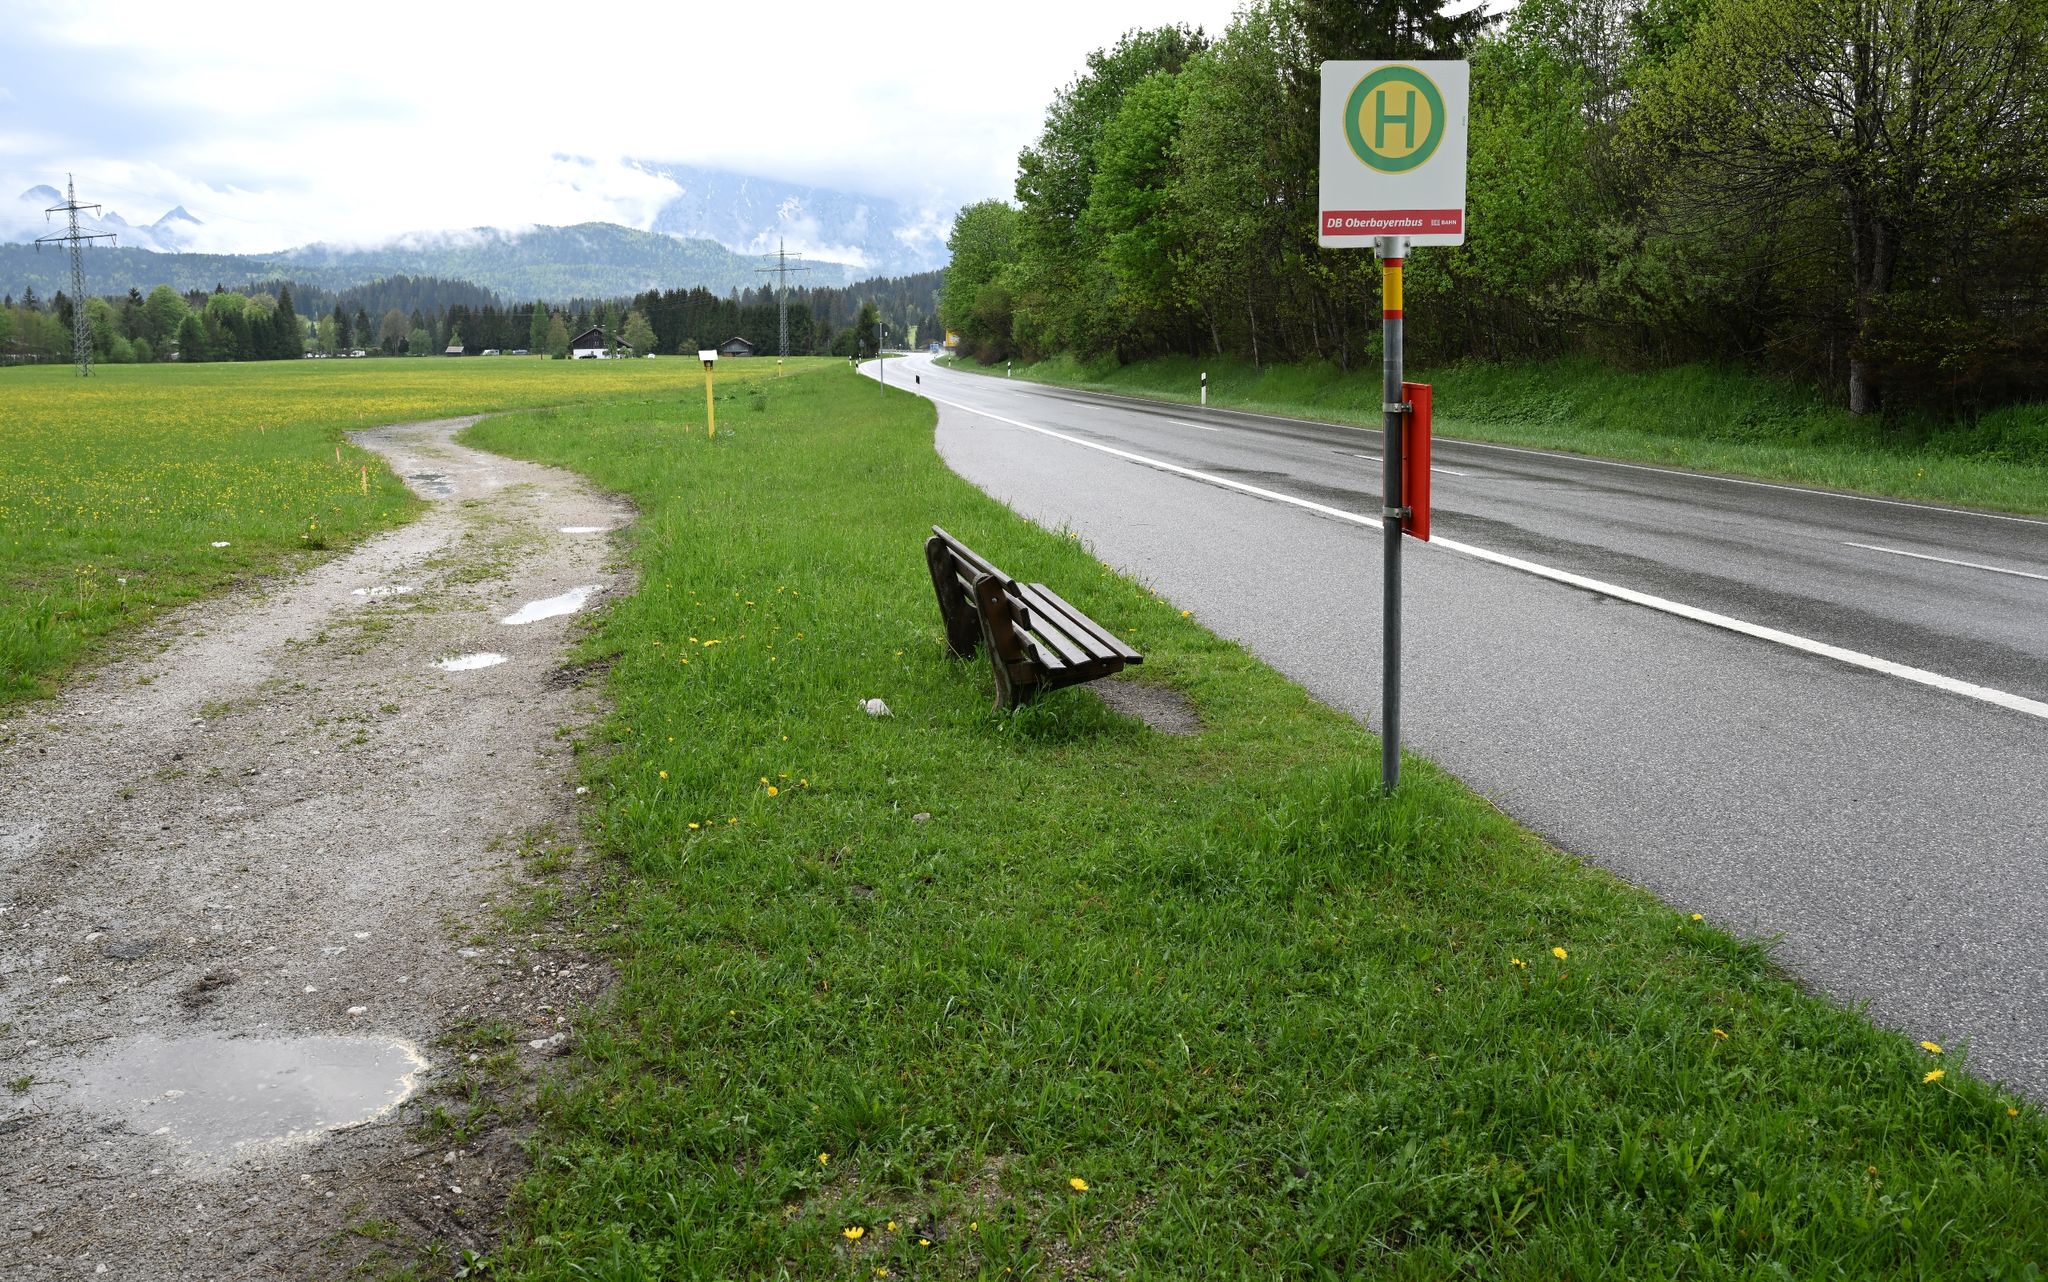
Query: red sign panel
[1367,223]
[1415,460]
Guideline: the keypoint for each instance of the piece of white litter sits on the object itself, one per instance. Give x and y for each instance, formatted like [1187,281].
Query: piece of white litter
[567,603]
[223,543]
[583,529]
[358,1010]
[383,590]
[582,792]
[876,708]
[470,662]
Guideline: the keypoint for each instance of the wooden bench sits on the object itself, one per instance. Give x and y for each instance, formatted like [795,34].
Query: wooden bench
[1035,640]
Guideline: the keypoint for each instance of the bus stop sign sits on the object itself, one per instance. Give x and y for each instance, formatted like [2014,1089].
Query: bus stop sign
[1393,152]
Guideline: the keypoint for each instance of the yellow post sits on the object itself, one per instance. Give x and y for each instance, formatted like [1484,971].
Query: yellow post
[710,411]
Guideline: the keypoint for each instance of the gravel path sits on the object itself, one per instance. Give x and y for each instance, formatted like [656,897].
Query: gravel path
[248,882]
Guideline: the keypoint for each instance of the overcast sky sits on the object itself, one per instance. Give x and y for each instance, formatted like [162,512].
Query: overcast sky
[277,124]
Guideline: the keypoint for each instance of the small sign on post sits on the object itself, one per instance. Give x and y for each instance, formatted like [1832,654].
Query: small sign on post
[1393,176]
[709,355]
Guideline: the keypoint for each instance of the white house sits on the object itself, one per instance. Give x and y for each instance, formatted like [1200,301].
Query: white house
[590,346]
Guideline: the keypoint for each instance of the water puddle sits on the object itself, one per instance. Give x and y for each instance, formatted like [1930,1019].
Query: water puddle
[218,1096]
[470,662]
[384,590]
[435,485]
[567,603]
[584,529]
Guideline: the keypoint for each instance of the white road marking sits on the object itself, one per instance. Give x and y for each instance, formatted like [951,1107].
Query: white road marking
[1463,444]
[1374,458]
[1974,565]
[1854,658]
[1181,422]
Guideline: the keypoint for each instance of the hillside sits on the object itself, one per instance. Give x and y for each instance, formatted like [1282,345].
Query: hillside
[555,263]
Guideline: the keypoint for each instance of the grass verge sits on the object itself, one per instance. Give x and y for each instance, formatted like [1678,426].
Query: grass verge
[948,995]
[1696,417]
[148,486]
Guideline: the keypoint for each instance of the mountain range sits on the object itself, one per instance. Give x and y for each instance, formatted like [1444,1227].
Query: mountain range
[712,233]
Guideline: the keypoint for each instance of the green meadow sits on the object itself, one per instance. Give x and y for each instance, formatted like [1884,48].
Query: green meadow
[116,490]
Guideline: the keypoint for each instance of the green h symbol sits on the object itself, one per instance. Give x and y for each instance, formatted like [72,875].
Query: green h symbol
[1380,119]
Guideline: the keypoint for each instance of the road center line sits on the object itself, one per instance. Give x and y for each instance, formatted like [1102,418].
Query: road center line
[1974,565]
[1374,458]
[1854,658]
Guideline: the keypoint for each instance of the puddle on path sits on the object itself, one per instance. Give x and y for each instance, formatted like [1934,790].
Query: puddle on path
[218,1095]
[432,484]
[584,529]
[383,590]
[470,662]
[567,603]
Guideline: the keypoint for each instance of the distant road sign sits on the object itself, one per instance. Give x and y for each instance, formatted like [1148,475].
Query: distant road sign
[1393,152]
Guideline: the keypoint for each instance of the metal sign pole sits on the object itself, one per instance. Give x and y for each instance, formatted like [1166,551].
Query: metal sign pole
[1391,250]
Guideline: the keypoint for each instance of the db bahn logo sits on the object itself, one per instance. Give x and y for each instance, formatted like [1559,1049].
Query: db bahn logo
[1395,119]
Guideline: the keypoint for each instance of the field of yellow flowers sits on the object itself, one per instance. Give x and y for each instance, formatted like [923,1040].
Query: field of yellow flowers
[146,486]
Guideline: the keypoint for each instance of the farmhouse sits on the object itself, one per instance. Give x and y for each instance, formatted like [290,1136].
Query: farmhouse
[735,346]
[590,346]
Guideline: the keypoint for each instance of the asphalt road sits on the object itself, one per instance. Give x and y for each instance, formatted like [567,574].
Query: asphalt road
[1813,717]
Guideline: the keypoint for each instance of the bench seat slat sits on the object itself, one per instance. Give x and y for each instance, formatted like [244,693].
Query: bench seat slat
[1053,647]
[1101,637]
[1060,630]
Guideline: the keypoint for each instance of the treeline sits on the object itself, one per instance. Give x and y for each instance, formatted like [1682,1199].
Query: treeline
[1854,192]
[166,325]
[418,316]
[822,321]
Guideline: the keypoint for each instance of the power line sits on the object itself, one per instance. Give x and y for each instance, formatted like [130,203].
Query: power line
[81,333]
[780,258]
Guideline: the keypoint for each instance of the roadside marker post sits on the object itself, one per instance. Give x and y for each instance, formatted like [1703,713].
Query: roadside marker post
[1205,387]
[1393,150]
[709,355]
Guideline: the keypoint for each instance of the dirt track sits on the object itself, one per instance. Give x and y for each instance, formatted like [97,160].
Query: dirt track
[249,880]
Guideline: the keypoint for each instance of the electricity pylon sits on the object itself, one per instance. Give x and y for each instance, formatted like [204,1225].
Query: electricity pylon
[81,333]
[780,260]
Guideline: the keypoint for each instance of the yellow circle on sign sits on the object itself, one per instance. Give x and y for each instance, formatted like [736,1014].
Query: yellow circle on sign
[1395,119]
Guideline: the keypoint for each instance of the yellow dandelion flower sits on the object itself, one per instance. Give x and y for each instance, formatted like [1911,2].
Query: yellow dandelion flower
[924,1241]
[974,1226]
[764,779]
[1718,1033]
[853,1233]
[824,1159]
[1518,963]
[882,1273]
[713,642]
[1078,1184]
[2012,1112]
[892,1226]
[1932,1048]
[1934,1075]
[664,774]
[733,820]
[774,791]
[693,827]
[1697,917]
[1559,953]
[1186,614]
